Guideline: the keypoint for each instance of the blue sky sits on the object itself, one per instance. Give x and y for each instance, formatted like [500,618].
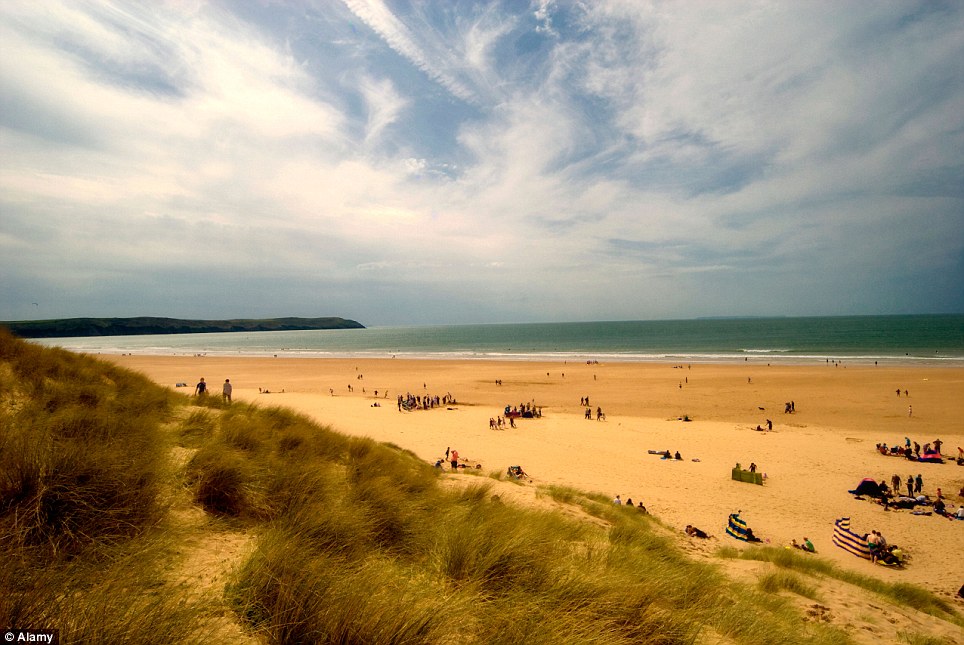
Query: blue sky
[456,162]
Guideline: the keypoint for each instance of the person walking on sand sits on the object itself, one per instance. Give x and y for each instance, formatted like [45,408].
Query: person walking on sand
[226,390]
[201,388]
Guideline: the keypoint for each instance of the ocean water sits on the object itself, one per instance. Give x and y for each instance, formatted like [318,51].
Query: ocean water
[931,340]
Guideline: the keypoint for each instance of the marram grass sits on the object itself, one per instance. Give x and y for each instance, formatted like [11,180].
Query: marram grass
[353,541]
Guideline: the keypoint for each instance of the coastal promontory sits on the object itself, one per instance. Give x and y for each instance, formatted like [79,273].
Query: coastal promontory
[76,327]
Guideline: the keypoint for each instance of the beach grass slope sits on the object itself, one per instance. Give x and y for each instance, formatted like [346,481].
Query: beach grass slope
[131,513]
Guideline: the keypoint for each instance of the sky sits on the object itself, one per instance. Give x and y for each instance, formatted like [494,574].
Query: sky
[446,162]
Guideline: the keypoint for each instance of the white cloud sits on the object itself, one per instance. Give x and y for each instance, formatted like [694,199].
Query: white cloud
[384,104]
[434,62]
[660,157]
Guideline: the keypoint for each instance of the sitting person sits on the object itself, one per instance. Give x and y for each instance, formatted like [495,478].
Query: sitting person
[807,545]
[939,507]
[750,537]
[642,509]
[692,531]
[516,472]
[891,555]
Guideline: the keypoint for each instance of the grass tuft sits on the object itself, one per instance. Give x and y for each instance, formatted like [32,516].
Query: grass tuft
[776,581]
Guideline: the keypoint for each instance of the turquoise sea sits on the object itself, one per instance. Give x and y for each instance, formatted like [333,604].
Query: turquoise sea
[921,339]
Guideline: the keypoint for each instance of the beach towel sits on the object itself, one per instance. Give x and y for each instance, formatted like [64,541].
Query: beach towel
[850,541]
[736,528]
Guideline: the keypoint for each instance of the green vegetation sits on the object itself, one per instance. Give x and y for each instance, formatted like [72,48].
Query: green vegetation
[900,592]
[74,327]
[785,581]
[344,540]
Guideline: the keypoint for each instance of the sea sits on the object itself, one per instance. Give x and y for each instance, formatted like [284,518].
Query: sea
[936,340]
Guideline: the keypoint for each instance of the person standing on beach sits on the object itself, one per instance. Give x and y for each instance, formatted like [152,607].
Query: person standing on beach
[454,459]
[201,388]
[226,390]
[895,484]
[918,483]
[910,410]
[910,486]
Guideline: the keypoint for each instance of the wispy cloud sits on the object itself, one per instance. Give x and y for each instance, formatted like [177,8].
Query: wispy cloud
[457,162]
[434,61]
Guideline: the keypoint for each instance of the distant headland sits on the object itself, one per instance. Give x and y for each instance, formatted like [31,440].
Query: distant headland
[74,327]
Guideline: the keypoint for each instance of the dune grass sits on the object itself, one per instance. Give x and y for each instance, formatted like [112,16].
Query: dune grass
[899,592]
[774,581]
[83,471]
[354,541]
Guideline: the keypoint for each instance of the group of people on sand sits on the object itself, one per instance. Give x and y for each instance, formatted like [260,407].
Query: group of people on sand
[769,427]
[524,410]
[516,472]
[600,415]
[201,389]
[418,402]
[452,457]
[617,501]
[932,451]
[891,497]
[806,545]
[521,411]
[882,552]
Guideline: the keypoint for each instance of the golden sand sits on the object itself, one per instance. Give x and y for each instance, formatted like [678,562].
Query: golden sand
[811,458]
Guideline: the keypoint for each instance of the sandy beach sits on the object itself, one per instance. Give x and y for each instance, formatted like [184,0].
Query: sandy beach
[811,458]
